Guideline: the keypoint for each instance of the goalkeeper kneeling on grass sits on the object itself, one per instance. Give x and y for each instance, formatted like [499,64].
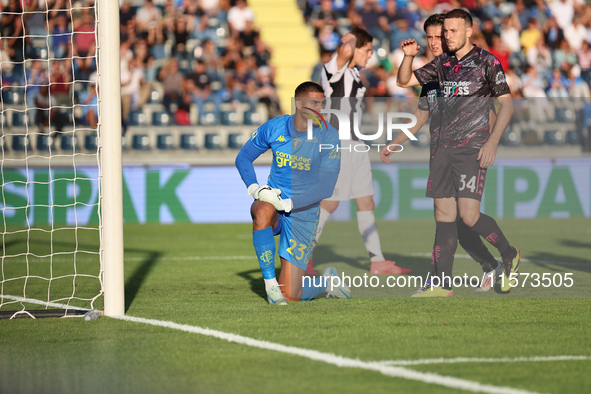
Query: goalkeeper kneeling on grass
[304,171]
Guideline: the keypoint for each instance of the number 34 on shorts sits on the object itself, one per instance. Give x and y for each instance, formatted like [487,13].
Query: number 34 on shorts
[471,184]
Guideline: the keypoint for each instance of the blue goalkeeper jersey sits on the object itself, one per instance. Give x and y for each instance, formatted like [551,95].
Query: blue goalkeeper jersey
[299,164]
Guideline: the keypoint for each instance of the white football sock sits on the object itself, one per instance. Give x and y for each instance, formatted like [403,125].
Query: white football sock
[366,222]
[324,214]
[270,283]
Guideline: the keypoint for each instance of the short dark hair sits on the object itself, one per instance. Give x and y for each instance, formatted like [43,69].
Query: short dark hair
[460,13]
[434,20]
[307,87]
[362,36]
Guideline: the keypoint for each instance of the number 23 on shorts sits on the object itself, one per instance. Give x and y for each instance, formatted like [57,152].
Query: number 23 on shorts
[300,250]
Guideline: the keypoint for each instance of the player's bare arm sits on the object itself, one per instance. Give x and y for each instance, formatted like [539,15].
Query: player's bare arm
[346,50]
[405,77]
[422,117]
[488,152]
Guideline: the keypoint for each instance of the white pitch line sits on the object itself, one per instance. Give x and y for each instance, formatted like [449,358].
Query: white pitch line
[140,258]
[465,256]
[328,358]
[483,360]
[339,361]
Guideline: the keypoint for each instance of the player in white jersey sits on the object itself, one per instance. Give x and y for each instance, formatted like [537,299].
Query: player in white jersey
[342,84]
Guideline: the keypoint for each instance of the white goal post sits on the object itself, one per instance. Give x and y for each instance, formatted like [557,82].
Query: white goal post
[111,179]
[61,211]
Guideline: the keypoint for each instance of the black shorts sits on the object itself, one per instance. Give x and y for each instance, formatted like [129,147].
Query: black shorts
[455,172]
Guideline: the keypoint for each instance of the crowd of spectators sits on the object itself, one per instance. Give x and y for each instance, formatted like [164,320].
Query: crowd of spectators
[543,45]
[192,52]
[207,53]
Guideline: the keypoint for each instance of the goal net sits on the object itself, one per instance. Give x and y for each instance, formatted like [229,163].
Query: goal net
[52,145]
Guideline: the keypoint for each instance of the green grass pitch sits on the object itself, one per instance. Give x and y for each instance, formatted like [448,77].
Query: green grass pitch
[206,276]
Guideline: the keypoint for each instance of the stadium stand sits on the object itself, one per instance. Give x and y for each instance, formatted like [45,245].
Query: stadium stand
[202,66]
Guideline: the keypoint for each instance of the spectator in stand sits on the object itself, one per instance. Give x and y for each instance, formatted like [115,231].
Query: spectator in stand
[181,31]
[402,32]
[488,10]
[173,84]
[199,88]
[388,18]
[501,52]
[60,80]
[156,38]
[323,15]
[241,84]
[208,51]
[513,80]
[340,8]
[533,84]
[564,57]
[584,56]
[36,25]
[238,15]
[126,14]
[553,34]
[541,11]
[248,38]
[540,57]
[488,31]
[328,39]
[557,85]
[563,11]
[89,103]
[575,34]
[262,54]
[232,54]
[147,16]
[317,70]
[510,33]
[34,78]
[266,92]
[84,34]
[367,18]
[12,32]
[127,81]
[577,87]
[60,36]
[531,35]
[47,113]
[523,13]
[6,64]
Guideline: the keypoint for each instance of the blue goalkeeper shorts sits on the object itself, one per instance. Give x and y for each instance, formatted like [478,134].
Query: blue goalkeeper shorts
[297,231]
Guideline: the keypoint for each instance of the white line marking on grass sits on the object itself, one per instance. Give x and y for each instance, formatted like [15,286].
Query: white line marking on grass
[140,258]
[465,256]
[483,360]
[339,361]
[328,358]
[44,303]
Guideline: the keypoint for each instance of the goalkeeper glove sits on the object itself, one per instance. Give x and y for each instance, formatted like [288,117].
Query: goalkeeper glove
[255,189]
[272,196]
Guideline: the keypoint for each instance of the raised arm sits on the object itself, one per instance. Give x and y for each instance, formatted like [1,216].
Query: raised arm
[346,50]
[405,77]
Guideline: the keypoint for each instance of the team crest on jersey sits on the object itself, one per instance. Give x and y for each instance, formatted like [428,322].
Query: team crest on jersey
[296,143]
[457,68]
[335,153]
